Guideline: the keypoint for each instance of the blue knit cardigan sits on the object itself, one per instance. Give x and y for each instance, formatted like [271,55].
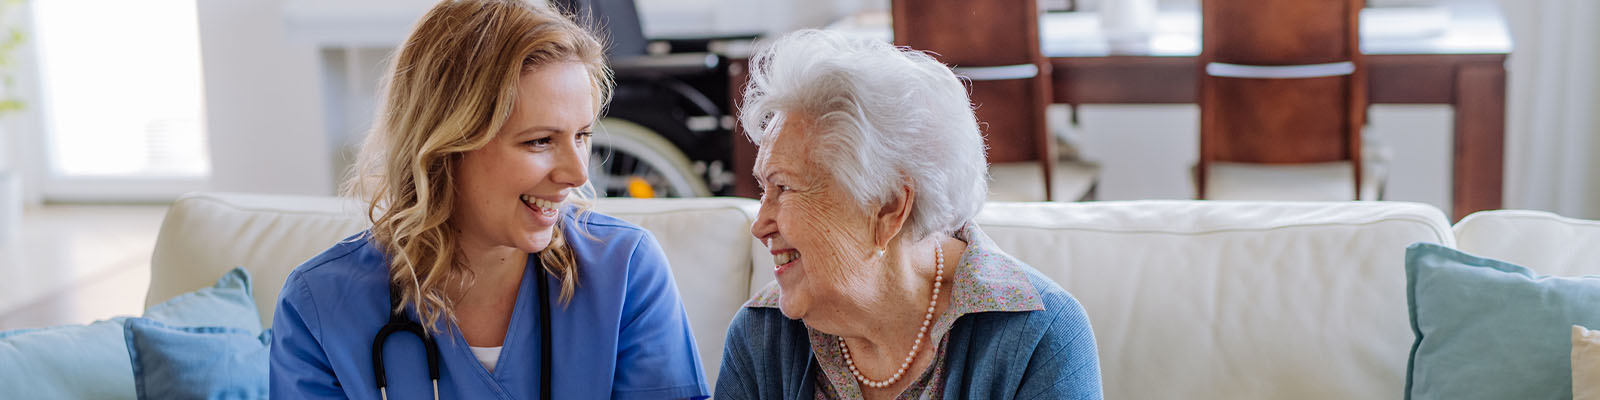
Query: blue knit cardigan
[1045,354]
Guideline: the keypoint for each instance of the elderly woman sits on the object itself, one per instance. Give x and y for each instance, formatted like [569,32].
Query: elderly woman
[872,167]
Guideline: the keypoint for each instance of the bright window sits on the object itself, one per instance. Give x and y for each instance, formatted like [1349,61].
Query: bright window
[120,83]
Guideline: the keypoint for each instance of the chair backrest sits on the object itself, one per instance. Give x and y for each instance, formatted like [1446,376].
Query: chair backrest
[1282,82]
[994,44]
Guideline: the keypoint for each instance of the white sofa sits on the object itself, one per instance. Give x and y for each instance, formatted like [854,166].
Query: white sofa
[1188,299]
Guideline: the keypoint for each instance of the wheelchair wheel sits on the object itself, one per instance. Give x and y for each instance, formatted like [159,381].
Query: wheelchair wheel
[630,160]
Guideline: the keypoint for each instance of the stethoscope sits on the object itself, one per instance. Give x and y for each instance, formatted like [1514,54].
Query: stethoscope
[399,322]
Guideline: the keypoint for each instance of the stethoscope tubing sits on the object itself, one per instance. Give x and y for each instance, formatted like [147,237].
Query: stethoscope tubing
[398,322]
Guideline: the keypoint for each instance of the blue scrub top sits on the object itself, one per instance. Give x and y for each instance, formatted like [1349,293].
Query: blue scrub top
[624,336]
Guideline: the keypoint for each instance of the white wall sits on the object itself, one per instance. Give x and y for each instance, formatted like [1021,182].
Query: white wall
[277,104]
[269,131]
[698,17]
[1553,122]
[21,139]
[1421,137]
[263,105]
[279,107]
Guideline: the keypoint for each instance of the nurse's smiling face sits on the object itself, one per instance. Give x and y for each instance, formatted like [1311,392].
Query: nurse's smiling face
[509,193]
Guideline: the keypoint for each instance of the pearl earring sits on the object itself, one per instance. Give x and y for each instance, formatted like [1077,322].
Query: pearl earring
[880,252]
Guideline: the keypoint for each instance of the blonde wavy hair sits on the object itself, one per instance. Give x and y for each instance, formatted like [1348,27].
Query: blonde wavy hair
[452,86]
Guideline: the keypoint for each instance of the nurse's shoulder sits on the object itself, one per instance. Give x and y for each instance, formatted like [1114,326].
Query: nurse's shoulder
[351,268]
[604,227]
[611,244]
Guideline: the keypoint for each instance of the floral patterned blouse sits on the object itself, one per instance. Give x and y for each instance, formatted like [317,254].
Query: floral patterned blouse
[986,280]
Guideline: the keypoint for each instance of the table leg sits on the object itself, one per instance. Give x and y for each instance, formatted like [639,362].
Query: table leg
[1480,127]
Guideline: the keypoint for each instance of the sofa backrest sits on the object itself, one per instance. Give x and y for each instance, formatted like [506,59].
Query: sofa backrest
[707,241]
[1220,300]
[1188,299]
[206,234]
[1229,300]
[1546,242]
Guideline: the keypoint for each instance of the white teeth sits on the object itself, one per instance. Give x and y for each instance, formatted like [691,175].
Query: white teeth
[786,257]
[541,204]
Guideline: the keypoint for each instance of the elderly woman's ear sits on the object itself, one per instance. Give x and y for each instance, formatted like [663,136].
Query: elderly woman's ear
[893,214]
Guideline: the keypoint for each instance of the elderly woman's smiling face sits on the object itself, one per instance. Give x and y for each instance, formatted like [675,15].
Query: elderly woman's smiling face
[819,237]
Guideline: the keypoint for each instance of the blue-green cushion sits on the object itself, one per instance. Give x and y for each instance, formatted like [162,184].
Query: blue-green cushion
[15,332]
[91,361]
[1487,329]
[209,362]
[66,362]
[226,303]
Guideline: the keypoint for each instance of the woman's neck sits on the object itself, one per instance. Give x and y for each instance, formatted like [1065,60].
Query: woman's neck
[483,309]
[495,269]
[886,328]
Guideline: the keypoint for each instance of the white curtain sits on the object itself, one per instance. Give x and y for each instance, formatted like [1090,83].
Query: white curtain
[1553,116]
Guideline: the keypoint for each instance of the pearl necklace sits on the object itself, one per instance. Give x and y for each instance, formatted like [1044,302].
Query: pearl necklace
[938,281]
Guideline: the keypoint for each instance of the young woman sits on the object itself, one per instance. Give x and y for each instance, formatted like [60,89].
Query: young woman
[484,275]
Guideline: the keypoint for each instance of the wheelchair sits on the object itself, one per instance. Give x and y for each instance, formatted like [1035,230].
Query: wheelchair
[668,130]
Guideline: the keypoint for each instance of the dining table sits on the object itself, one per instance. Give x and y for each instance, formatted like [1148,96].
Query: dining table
[1453,54]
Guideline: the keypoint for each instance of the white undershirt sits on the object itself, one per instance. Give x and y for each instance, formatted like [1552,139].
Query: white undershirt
[488,356]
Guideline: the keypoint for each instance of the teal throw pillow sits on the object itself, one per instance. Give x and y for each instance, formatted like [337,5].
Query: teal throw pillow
[227,303]
[208,362]
[1487,329]
[91,361]
[66,362]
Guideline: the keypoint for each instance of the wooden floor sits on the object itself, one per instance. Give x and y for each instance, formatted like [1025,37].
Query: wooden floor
[73,264]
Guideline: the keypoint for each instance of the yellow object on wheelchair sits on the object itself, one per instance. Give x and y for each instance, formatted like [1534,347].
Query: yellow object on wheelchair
[638,188]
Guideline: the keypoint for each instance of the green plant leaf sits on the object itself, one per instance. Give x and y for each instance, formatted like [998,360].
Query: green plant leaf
[9,42]
[8,106]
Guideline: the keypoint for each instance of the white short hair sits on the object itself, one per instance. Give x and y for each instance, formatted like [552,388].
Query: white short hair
[881,113]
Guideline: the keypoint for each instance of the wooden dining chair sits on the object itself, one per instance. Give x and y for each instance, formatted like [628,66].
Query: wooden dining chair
[1283,87]
[994,44]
